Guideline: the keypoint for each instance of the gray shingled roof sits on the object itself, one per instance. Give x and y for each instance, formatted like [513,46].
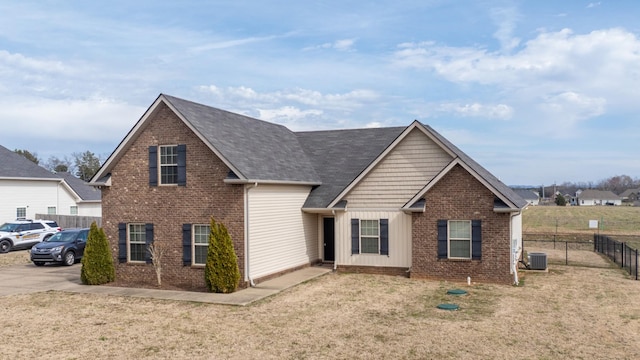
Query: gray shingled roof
[503,189]
[598,195]
[340,156]
[17,166]
[85,191]
[259,150]
[526,194]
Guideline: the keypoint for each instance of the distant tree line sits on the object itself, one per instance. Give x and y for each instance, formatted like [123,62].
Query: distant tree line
[616,184]
[82,164]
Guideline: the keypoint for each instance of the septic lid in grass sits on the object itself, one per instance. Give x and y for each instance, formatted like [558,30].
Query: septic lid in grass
[448,306]
[457,292]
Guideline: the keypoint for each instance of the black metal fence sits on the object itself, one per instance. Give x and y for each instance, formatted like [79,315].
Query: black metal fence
[618,252]
[564,252]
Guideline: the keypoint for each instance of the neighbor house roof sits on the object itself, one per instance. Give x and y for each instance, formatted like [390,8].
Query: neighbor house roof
[84,191]
[17,166]
[629,192]
[527,194]
[598,195]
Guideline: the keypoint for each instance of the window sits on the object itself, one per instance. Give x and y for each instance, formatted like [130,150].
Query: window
[168,164]
[460,239]
[21,212]
[137,242]
[200,244]
[51,210]
[73,210]
[369,237]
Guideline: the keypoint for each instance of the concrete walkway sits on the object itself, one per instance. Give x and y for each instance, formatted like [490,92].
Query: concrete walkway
[25,279]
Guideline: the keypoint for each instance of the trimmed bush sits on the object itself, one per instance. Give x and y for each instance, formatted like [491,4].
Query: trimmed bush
[97,263]
[221,271]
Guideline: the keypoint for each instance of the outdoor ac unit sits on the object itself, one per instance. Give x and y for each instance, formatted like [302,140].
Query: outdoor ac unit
[537,261]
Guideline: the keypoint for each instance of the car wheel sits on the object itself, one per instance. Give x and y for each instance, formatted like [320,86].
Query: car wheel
[38,263]
[46,237]
[69,258]
[5,246]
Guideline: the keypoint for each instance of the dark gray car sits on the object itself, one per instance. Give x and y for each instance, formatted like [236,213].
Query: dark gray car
[64,247]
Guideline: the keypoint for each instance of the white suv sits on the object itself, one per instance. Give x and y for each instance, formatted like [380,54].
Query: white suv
[23,233]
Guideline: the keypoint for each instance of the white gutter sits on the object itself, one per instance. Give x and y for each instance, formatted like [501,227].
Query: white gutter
[246,234]
[514,251]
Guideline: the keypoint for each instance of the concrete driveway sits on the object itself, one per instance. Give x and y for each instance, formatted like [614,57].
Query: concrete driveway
[28,278]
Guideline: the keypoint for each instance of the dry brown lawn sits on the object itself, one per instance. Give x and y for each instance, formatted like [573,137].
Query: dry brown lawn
[569,312]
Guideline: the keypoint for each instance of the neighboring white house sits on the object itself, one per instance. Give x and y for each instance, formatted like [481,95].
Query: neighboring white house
[27,189]
[530,196]
[597,197]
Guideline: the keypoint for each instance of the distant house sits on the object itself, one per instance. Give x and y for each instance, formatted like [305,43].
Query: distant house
[597,197]
[531,197]
[630,196]
[397,200]
[27,189]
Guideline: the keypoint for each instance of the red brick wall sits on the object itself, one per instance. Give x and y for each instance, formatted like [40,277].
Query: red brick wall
[131,199]
[459,196]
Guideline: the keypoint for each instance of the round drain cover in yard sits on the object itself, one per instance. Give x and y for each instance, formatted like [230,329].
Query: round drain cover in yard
[457,292]
[448,306]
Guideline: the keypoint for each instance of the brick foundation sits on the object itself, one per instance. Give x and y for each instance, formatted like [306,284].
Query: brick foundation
[377,270]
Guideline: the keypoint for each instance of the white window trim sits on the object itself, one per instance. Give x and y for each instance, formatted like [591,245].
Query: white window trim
[160,164]
[129,242]
[369,236]
[449,238]
[194,245]
[72,208]
[24,209]
[49,208]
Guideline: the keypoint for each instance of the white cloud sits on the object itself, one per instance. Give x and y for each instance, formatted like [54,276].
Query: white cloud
[289,116]
[345,102]
[340,45]
[499,111]
[506,19]
[558,77]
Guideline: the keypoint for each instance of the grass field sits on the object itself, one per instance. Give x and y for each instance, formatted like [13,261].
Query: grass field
[572,222]
[569,312]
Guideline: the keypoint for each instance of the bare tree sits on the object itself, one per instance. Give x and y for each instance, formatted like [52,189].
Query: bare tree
[157,251]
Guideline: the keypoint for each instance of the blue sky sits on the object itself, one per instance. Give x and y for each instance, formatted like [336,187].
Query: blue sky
[535,91]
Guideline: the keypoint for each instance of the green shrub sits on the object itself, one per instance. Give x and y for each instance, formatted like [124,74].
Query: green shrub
[97,263]
[221,271]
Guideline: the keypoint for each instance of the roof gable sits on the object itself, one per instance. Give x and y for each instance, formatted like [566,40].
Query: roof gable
[340,156]
[254,150]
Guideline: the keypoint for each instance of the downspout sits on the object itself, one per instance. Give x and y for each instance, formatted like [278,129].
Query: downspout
[246,233]
[335,255]
[514,263]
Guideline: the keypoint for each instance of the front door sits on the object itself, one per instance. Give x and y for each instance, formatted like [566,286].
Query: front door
[329,239]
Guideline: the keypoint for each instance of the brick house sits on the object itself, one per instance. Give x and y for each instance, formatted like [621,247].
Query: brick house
[400,200]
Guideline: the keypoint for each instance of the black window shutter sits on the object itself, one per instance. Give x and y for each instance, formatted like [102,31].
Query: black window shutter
[153,166]
[186,244]
[476,239]
[182,165]
[442,239]
[384,236]
[355,236]
[122,242]
[148,229]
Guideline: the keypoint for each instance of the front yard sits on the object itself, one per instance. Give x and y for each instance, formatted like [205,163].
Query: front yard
[569,312]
